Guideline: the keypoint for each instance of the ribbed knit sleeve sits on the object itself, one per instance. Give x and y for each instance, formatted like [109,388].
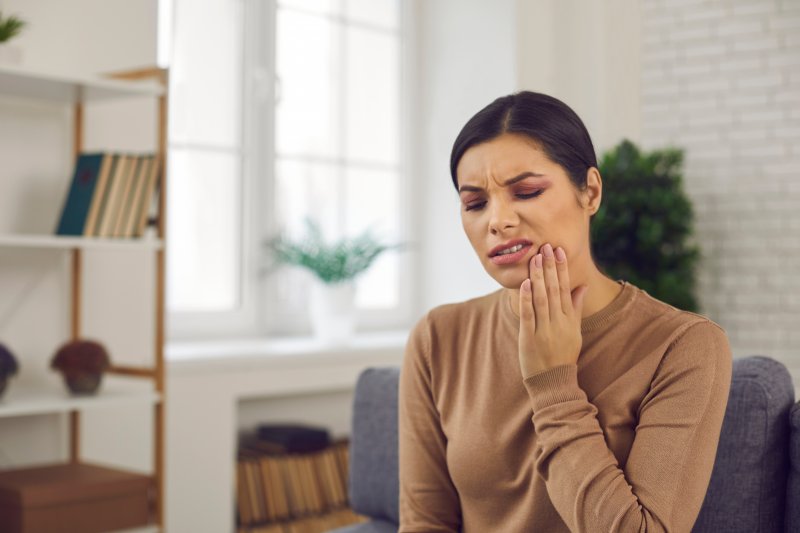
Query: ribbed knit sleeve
[663,483]
[428,500]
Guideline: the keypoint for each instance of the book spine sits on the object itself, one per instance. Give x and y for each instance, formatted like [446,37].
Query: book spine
[125,196]
[79,196]
[112,202]
[90,228]
[150,188]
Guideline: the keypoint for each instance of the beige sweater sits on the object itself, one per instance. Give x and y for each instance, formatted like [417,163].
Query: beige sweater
[623,441]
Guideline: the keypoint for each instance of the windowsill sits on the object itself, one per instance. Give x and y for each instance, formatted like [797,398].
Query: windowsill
[190,357]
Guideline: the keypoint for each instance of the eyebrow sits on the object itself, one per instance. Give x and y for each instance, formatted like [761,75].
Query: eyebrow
[507,182]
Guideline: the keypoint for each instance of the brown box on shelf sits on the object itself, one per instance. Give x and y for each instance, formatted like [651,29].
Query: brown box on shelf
[73,498]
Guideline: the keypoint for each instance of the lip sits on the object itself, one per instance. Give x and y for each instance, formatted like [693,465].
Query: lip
[509,244]
[507,259]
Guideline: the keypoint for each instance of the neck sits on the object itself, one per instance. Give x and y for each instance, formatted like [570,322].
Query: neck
[602,291]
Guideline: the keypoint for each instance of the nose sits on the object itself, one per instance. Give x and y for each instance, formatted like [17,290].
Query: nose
[501,215]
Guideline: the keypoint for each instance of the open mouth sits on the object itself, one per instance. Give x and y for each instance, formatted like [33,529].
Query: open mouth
[511,255]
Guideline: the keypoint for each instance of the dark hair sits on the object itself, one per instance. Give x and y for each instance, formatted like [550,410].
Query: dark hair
[548,121]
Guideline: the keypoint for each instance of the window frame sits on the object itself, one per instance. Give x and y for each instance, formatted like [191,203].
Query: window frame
[256,317]
[188,325]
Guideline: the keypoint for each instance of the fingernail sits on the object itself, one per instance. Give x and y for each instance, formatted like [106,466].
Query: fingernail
[560,255]
[538,260]
[548,250]
[526,285]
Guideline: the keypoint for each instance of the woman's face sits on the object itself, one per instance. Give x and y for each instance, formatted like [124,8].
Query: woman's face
[510,190]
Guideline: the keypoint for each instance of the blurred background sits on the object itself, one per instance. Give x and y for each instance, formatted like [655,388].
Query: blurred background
[345,111]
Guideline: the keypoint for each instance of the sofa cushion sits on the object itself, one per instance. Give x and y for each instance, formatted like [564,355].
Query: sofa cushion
[793,489]
[747,491]
[374,483]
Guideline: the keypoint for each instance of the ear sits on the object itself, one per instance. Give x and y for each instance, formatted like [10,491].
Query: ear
[593,194]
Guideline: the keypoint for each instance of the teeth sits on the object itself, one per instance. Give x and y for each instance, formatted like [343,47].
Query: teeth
[511,250]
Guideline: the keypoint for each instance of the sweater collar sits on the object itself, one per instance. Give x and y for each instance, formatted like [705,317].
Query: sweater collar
[589,323]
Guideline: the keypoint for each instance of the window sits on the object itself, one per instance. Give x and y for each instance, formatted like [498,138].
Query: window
[292,109]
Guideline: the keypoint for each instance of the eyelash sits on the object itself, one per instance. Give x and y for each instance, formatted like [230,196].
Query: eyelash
[521,196]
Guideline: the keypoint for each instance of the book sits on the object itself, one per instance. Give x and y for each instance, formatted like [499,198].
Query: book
[335,481]
[149,195]
[242,493]
[79,197]
[112,203]
[288,487]
[269,494]
[124,196]
[129,198]
[295,438]
[98,196]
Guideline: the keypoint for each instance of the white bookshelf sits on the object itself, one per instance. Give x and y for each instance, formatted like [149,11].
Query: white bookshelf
[69,88]
[84,243]
[120,386]
[26,401]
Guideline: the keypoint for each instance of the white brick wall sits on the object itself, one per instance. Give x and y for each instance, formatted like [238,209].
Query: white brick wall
[721,79]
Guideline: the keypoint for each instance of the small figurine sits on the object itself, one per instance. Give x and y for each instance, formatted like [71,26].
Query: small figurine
[82,363]
[8,366]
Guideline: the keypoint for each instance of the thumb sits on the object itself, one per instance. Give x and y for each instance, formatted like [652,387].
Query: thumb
[578,297]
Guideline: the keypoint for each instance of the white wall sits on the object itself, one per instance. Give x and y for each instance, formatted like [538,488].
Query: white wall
[87,36]
[587,55]
[467,58]
[722,80]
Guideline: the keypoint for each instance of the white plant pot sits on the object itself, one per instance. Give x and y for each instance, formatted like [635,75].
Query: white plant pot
[10,54]
[333,311]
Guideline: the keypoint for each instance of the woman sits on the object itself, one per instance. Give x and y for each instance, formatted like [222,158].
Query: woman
[565,400]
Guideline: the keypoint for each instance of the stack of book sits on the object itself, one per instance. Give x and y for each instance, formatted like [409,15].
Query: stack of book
[111,195]
[292,492]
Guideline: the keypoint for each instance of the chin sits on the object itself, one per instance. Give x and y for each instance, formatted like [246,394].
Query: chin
[510,279]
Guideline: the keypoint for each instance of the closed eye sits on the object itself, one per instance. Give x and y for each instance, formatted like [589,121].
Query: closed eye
[479,205]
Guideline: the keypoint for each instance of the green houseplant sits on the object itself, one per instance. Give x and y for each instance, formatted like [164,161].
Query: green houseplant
[332,263]
[335,267]
[642,232]
[10,27]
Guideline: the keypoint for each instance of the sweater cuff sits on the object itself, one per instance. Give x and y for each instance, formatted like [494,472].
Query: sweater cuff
[554,385]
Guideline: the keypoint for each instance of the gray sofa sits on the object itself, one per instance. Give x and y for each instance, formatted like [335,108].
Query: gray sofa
[755,484]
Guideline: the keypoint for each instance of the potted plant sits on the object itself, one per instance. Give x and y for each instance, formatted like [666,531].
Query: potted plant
[335,267]
[8,367]
[81,363]
[643,230]
[9,28]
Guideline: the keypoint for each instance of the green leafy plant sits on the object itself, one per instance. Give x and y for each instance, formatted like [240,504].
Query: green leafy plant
[643,229]
[9,27]
[331,263]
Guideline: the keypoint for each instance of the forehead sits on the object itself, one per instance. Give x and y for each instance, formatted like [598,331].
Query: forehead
[501,158]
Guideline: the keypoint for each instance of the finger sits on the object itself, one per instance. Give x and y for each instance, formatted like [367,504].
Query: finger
[563,281]
[540,304]
[526,316]
[551,282]
[531,269]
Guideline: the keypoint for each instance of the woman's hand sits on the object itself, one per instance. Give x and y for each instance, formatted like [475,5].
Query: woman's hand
[549,313]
